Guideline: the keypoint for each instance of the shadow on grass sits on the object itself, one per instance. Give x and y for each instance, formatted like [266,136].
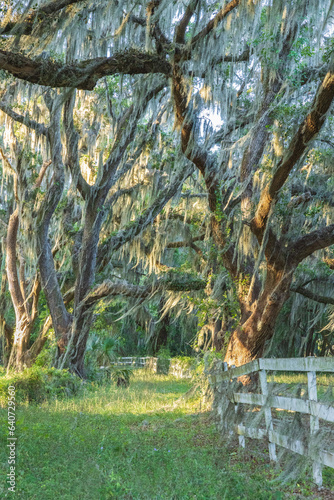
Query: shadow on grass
[86,455]
[130,444]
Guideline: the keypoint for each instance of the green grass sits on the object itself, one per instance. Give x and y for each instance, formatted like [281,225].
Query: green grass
[323,379]
[135,444]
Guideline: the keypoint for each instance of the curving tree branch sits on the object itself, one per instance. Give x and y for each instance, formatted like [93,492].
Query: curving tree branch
[83,74]
[109,288]
[305,134]
[34,17]
[215,20]
[322,299]
[310,243]
[39,128]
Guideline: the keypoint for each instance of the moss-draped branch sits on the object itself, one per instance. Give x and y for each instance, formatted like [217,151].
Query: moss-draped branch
[176,283]
[82,74]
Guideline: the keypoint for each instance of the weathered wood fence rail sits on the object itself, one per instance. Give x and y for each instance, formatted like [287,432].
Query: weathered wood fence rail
[221,377]
[134,361]
[162,365]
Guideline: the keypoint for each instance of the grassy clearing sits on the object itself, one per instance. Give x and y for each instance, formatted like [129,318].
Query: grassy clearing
[134,444]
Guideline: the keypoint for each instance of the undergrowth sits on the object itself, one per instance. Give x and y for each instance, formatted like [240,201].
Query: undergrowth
[146,442]
[38,384]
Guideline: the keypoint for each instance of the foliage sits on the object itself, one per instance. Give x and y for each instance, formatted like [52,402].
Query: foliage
[187,362]
[112,443]
[103,351]
[46,356]
[164,353]
[38,384]
[121,375]
[254,66]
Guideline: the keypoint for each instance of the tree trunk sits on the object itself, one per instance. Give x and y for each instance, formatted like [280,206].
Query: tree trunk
[8,337]
[22,318]
[18,354]
[77,346]
[248,340]
[82,314]
[162,337]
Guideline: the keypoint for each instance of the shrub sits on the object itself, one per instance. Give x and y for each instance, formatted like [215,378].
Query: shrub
[100,354]
[163,365]
[186,362]
[163,361]
[38,384]
[184,366]
[97,375]
[164,353]
[45,357]
[121,375]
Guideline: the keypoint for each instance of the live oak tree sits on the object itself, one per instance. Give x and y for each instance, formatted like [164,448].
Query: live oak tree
[265,68]
[55,220]
[24,297]
[69,230]
[277,251]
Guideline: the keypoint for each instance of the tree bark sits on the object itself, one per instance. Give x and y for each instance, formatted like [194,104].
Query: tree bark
[259,309]
[23,324]
[248,340]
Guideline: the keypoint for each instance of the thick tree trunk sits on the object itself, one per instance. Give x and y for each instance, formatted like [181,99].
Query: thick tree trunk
[8,335]
[6,331]
[22,317]
[162,337]
[61,319]
[73,353]
[39,343]
[18,355]
[248,340]
[82,314]
[77,348]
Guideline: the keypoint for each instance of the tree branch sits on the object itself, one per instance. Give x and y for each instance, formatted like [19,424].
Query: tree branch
[84,74]
[39,128]
[310,243]
[60,317]
[108,288]
[119,193]
[260,133]
[126,129]
[181,244]
[150,135]
[13,280]
[72,154]
[183,24]
[145,219]
[322,299]
[194,195]
[213,23]
[306,132]
[25,27]
[41,174]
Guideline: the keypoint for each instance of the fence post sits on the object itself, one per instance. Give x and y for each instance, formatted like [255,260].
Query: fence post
[241,438]
[267,414]
[314,423]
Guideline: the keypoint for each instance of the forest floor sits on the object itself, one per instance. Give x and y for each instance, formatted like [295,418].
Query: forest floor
[146,442]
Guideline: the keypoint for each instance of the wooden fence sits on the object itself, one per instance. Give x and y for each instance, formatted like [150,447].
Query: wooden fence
[158,365]
[222,381]
[137,362]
